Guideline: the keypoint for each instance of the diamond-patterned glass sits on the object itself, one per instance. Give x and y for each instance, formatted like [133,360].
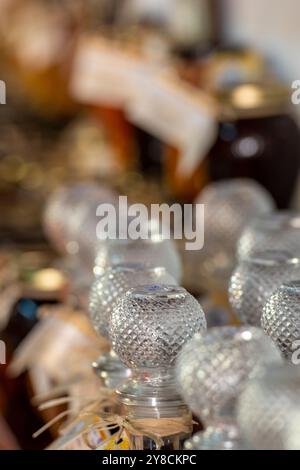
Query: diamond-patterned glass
[70,216]
[280,231]
[150,325]
[256,278]
[156,251]
[116,280]
[268,409]
[281,318]
[229,206]
[213,368]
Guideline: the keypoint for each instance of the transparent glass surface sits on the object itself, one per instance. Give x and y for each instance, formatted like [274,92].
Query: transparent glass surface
[173,442]
[229,206]
[116,280]
[279,230]
[111,370]
[212,371]
[256,278]
[70,217]
[150,325]
[148,328]
[281,319]
[155,251]
[104,294]
[268,409]
[216,438]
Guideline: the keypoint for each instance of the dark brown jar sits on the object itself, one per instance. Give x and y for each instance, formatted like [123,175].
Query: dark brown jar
[258,138]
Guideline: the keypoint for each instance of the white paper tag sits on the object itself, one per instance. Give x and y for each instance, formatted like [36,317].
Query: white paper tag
[57,356]
[79,438]
[104,74]
[40,381]
[25,355]
[76,444]
[177,114]
[162,104]
[55,346]
[72,439]
[83,391]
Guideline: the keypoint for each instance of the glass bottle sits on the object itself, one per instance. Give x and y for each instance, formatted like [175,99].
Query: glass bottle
[229,206]
[212,370]
[281,319]
[256,129]
[148,328]
[256,278]
[70,217]
[105,292]
[279,230]
[155,250]
[268,409]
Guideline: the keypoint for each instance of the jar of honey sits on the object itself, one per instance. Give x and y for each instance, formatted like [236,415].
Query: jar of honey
[258,138]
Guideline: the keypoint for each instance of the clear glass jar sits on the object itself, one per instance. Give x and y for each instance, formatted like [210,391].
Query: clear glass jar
[159,419]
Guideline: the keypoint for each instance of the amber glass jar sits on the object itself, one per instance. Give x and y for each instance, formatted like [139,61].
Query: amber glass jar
[258,138]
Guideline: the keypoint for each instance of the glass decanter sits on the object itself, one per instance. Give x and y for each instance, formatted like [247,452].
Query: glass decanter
[279,230]
[281,320]
[269,409]
[229,206]
[212,370]
[148,328]
[104,294]
[155,250]
[256,278]
[70,218]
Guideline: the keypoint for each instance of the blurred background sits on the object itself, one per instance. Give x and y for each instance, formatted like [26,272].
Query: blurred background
[155,98]
[56,127]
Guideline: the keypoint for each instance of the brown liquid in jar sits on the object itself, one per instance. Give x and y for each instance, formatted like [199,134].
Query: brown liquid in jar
[263,144]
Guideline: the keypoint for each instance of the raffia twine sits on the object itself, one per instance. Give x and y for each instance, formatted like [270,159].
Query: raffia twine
[97,420]
[92,407]
[154,429]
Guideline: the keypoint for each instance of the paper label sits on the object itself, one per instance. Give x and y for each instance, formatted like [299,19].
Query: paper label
[55,346]
[76,444]
[83,391]
[112,444]
[153,99]
[91,441]
[57,355]
[40,381]
[104,74]
[78,438]
[177,114]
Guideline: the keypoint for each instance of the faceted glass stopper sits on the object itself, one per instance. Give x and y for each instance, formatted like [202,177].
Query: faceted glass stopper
[256,278]
[116,280]
[150,325]
[268,408]
[70,215]
[229,205]
[154,251]
[281,319]
[280,231]
[212,369]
